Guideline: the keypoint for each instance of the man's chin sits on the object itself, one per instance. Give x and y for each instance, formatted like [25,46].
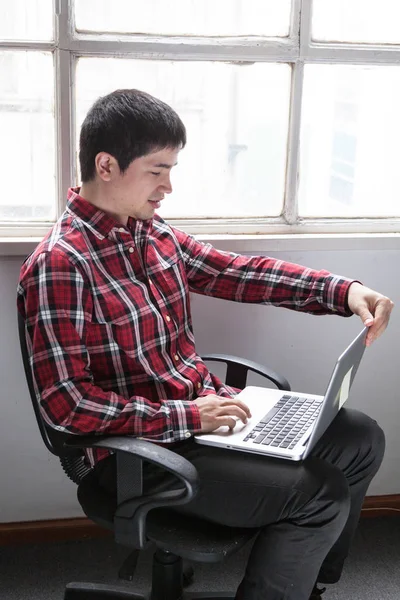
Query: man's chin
[145,215]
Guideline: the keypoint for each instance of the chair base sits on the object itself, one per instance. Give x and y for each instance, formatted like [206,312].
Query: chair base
[101,591]
[167,584]
[127,570]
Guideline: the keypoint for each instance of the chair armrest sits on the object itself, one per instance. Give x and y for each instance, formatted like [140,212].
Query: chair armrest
[133,506]
[158,455]
[238,368]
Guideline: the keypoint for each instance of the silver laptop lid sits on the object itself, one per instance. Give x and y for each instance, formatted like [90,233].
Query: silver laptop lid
[338,388]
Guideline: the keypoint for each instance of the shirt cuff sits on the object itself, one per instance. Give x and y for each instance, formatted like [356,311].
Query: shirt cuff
[185,418]
[336,294]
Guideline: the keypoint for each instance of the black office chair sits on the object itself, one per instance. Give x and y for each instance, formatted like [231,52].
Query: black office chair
[137,519]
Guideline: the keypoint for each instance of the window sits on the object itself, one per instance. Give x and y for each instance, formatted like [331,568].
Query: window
[27,125]
[185,17]
[232,156]
[349,135]
[290,107]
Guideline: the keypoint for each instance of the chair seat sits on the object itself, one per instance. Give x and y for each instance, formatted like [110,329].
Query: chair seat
[194,538]
[191,537]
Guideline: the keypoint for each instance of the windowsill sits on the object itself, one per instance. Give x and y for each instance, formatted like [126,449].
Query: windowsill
[256,243]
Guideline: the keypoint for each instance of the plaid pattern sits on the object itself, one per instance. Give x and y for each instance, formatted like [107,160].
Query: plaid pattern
[108,320]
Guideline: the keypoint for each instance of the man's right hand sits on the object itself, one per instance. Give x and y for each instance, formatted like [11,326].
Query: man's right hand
[216,411]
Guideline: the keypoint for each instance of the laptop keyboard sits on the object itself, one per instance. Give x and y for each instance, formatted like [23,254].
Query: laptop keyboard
[285,424]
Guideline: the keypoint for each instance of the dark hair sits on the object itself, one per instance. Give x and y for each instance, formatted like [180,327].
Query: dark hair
[127,124]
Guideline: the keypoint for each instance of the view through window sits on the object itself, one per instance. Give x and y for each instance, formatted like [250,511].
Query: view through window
[291,113]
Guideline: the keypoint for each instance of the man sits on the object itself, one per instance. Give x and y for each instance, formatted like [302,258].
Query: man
[105,297]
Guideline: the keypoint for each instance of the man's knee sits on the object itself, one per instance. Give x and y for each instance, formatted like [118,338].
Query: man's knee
[366,437]
[376,438]
[335,492]
[354,442]
[327,496]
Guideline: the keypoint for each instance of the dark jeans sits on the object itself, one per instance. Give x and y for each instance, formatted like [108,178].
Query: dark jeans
[307,512]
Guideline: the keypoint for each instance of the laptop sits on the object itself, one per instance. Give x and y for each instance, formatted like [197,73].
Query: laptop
[289,424]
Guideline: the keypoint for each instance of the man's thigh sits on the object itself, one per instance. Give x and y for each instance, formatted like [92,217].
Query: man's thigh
[248,490]
[244,489]
[351,438]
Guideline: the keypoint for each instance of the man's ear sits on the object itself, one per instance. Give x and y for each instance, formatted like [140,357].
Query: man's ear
[106,166]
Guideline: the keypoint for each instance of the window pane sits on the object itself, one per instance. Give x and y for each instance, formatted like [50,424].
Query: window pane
[186,17]
[237,123]
[27,136]
[26,20]
[349,141]
[369,21]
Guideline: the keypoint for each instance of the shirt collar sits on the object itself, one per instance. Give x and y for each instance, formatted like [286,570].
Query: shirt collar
[97,219]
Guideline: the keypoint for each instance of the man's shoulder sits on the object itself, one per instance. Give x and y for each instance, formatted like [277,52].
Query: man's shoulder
[162,230]
[62,243]
[160,227]
[163,233]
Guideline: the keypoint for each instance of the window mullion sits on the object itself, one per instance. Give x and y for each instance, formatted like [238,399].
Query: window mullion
[26,45]
[295,20]
[64,106]
[64,125]
[183,49]
[305,27]
[290,211]
[351,53]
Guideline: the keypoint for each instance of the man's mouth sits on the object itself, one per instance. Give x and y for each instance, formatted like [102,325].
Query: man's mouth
[155,203]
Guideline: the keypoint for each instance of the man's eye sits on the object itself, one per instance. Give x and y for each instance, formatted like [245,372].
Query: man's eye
[153,173]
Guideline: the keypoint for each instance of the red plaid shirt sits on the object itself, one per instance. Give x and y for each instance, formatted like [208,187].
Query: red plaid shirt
[109,329]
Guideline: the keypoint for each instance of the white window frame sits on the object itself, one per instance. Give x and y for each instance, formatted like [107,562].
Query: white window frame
[297,49]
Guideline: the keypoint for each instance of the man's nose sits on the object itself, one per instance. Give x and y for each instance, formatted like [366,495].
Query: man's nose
[167,185]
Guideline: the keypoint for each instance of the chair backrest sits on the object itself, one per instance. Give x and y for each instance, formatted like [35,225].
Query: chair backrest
[71,458]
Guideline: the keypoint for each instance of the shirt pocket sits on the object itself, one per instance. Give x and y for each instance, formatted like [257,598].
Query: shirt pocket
[160,259]
[119,307]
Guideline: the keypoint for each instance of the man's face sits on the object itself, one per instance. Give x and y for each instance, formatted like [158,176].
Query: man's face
[139,191]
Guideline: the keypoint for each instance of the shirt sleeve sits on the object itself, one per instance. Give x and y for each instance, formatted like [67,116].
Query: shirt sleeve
[262,280]
[55,300]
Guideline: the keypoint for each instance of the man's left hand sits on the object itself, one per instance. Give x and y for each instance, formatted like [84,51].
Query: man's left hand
[373,308]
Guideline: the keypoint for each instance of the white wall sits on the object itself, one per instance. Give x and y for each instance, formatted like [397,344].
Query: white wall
[303,347]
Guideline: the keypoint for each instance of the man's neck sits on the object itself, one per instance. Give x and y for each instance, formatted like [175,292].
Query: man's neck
[92,193]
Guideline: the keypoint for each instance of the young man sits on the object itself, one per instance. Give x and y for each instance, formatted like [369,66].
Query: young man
[105,297]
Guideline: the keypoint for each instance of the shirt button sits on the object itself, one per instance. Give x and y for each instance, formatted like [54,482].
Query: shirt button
[187,434]
[131,249]
[198,385]
[176,357]
[168,318]
[121,230]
